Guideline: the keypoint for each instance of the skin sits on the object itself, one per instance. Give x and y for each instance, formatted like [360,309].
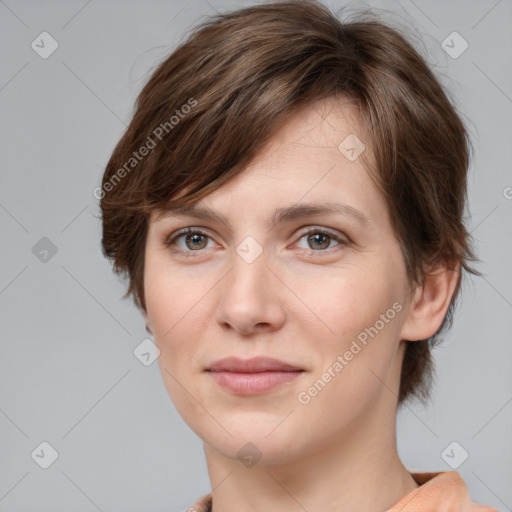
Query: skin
[303,301]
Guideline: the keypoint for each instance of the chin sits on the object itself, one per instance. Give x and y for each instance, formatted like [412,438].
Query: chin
[251,450]
[270,441]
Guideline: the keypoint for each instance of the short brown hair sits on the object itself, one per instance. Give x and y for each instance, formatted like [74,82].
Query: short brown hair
[240,75]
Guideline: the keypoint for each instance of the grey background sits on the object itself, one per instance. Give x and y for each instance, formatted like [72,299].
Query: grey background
[68,375]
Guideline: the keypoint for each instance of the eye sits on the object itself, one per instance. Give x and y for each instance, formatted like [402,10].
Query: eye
[193,240]
[319,240]
[188,240]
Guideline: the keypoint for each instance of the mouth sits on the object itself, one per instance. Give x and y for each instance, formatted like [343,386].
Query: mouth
[252,376]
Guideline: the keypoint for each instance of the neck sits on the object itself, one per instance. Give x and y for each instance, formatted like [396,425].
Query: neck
[361,470]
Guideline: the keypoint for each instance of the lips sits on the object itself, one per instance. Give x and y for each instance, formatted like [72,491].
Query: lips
[252,376]
[253,365]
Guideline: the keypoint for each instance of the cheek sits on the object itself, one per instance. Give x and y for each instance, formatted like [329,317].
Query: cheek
[362,308]
[172,293]
[177,318]
[355,373]
[175,312]
[341,304]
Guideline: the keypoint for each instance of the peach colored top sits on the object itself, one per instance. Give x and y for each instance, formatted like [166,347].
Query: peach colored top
[438,492]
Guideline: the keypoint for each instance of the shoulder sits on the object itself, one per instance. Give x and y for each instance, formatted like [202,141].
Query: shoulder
[439,492]
[203,504]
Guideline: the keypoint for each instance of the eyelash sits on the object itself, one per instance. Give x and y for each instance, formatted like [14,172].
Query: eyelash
[171,240]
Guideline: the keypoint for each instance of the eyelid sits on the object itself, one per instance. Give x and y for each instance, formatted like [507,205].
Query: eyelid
[334,234]
[170,239]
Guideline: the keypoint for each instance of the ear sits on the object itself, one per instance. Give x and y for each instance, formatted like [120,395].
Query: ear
[430,302]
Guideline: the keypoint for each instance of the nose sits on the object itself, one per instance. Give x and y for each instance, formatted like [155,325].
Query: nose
[251,297]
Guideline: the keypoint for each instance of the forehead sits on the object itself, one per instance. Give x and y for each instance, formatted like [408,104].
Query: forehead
[326,122]
[320,154]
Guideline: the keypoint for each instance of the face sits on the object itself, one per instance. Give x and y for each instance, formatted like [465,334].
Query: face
[272,275]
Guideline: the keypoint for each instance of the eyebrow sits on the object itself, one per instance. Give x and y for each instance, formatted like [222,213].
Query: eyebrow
[281,215]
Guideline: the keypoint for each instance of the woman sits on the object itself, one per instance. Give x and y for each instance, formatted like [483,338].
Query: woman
[287,204]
